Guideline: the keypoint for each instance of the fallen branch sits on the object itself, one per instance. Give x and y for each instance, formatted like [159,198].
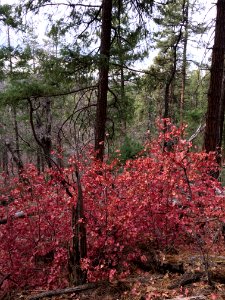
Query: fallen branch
[187,278]
[17,215]
[76,289]
[198,297]
[198,130]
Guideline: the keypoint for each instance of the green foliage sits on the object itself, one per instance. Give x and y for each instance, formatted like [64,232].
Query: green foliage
[194,115]
[7,16]
[129,149]
[24,89]
[69,60]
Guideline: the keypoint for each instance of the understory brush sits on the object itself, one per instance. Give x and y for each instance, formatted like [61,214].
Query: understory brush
[165,197]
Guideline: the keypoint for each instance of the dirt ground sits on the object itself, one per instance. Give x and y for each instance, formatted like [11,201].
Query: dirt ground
[191,284]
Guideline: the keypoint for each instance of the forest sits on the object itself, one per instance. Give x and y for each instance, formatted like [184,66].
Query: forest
[112,149]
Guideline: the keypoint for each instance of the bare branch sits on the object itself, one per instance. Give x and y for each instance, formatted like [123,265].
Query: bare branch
[200,129]
[67,92]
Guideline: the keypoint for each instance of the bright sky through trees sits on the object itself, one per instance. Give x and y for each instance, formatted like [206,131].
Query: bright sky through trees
[200,51]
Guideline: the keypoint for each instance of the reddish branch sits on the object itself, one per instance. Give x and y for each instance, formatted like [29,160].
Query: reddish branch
[4,278]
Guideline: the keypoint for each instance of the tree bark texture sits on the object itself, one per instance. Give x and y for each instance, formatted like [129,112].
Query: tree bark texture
[101,111]
[42,130]
[79,241]
[216,99]
[168,86]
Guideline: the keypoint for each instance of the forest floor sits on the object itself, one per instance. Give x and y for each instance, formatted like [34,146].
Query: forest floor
[190,283]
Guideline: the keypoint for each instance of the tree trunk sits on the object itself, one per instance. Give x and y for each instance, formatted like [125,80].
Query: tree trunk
[16,128]
[101,111]
[15,153]
[5,160]
[46,139]
[42,132]
[79,241]
[215,112]
[167,99]
[15,158]
[184,62]
[169,81]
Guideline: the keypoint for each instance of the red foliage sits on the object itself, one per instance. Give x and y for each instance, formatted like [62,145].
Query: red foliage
[164,197]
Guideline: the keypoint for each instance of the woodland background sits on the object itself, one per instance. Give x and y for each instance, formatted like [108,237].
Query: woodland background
[104,163]
[58,79]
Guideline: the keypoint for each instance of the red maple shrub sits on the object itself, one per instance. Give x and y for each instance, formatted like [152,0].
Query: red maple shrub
[166,197]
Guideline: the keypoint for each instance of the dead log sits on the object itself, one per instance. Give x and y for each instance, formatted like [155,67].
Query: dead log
[199,297]
[186,279]
[17,215]
[153,263]
[200,129]
[76,289]
[171,267]
[218,275]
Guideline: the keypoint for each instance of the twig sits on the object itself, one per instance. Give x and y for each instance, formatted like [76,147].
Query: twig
[4,278]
